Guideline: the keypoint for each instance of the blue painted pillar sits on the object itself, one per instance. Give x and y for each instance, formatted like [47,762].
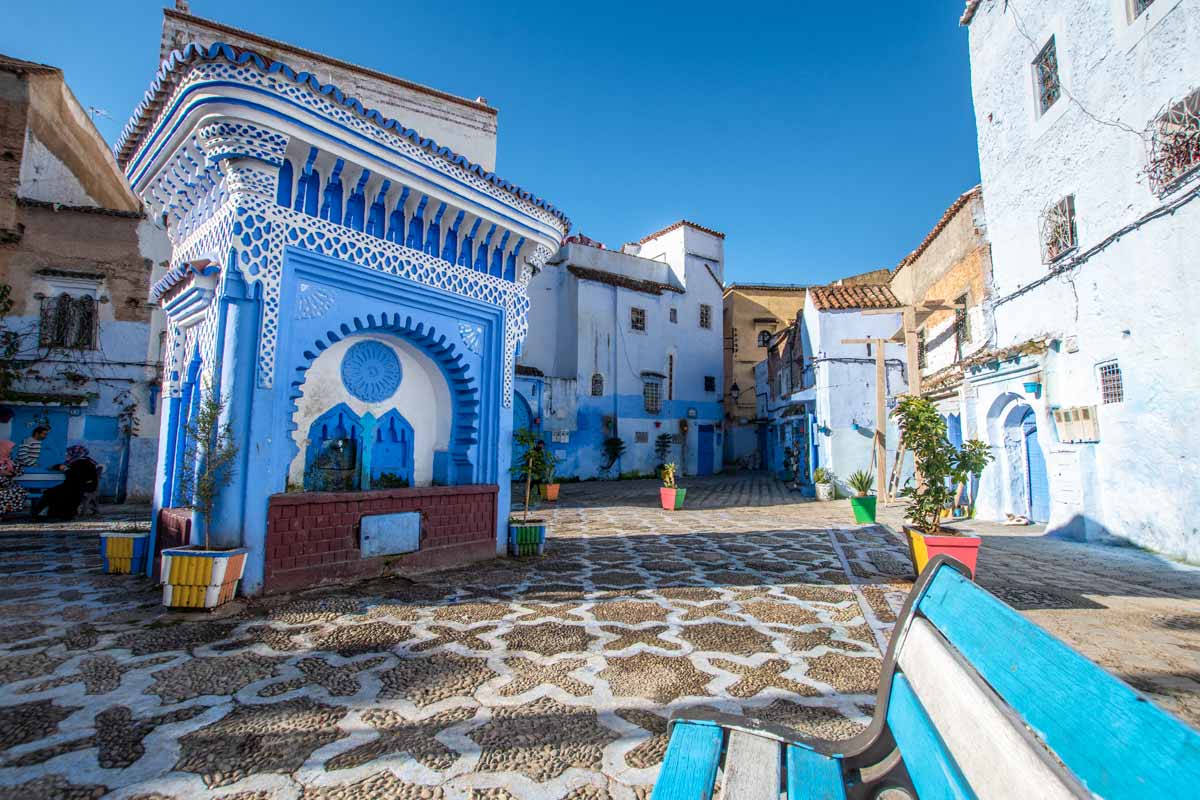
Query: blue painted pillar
[481,256]
[235,375]
[416,226]
[464,255]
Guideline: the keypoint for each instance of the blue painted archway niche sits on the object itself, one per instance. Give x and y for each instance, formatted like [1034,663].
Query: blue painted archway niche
[374,412]
[344,326]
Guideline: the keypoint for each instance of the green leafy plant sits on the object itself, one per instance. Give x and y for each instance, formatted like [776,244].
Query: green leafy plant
[390,480]
[549,466]
[973,458]
[614,448]
[668,476]
[208,457]
[662,447]
[532,463]
[941,466]
[861,482]
[822,475]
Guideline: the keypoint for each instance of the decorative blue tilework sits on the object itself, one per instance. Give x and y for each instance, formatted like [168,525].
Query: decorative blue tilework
[371,371]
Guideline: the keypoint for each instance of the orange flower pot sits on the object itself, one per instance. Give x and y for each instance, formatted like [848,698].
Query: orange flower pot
[550,491]
[923,547]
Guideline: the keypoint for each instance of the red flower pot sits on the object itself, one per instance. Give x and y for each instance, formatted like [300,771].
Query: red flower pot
[924,547]
[672,499]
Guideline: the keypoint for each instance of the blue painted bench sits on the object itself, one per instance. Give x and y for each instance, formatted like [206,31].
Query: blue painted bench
[974,701]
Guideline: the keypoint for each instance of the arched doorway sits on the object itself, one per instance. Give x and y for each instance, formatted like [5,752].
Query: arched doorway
[523,419]
[1035,470]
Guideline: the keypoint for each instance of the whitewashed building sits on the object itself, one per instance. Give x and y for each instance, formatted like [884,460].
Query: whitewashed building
[1088,117]
[627,344]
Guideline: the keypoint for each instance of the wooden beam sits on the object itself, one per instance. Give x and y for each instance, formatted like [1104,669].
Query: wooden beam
[880,442]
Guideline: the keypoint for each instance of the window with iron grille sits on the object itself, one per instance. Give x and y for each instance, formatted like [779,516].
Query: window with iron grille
[637,319]
[710,383]
[641,437]
[705,316]
[921,350]
[1136,7]
[673,315]
[962,326]
[597,384]
[652,396]
[1174,145]
[1057,229]
[1045,72]
[68,322]
[764,338]
[1112,386]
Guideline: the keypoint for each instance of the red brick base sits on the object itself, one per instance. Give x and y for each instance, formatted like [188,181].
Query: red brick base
[312,537]
[174,530]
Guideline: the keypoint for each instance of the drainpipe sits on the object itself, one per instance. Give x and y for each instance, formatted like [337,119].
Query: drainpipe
[616,334]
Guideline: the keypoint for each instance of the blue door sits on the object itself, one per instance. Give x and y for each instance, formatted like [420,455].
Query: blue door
[522,419]
[705,452]
[763,456]
[1039,483]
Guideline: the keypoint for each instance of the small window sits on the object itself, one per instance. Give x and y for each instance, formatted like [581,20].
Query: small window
[652,397]
[705,315]
[68,322]
[597,384]
[671,376]
[1112,387]
[1058,232]
[1175,145]
[733,340]
[1137,7]
[641,437]
[1045,72]
[921,350]
[764,338]
[673,315]
[637,319]
[710,383]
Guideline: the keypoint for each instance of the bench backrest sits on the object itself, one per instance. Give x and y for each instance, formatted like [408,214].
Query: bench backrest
[984,703]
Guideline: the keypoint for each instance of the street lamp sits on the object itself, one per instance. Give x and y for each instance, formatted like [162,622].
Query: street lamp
[734,391]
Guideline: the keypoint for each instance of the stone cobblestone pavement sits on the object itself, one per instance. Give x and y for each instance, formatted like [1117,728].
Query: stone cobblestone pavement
[544,678]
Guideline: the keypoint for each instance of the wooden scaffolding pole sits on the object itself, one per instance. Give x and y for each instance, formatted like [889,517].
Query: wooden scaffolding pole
[880,414]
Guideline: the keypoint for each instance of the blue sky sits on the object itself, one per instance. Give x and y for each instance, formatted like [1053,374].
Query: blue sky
[823,139]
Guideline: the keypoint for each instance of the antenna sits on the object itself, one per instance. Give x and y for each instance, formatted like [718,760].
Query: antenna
[98,112]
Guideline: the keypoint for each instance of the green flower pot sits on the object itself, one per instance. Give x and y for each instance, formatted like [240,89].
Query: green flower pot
[864,508]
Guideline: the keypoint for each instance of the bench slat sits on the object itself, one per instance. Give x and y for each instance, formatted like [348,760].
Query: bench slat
[752,768]
[998,757]
[689,767]
[930,765]
[1118,744]
[812,776]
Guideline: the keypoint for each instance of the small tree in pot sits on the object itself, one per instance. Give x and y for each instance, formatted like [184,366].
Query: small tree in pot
[208,468]
[527,537]
[942,468]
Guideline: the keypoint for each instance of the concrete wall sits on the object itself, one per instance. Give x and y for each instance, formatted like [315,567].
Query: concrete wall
[1131,299]
[465,126]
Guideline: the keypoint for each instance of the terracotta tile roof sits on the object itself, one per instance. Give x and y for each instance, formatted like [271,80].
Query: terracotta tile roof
[954,208]
[533,372]
[13,64]
[851,297]
[612,279]
[680,224]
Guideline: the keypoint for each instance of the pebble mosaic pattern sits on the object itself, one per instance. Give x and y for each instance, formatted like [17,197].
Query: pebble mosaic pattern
[535,680]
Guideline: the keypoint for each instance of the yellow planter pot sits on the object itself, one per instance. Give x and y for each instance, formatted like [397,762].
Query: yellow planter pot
[197,578]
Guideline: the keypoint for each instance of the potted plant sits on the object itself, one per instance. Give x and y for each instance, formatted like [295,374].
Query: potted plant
[662,448]
[670,494]
[550,485]
[862,502]
[124,553]
[527,537]
[823,479]
[204,576]
[941,469]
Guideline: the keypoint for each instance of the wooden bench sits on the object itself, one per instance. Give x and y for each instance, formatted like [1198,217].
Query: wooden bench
[974,701]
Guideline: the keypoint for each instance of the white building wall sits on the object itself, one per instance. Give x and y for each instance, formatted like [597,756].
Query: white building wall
[1130,300]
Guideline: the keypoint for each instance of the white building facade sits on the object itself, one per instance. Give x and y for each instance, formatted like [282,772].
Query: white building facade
[627,344]
[1088,121]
